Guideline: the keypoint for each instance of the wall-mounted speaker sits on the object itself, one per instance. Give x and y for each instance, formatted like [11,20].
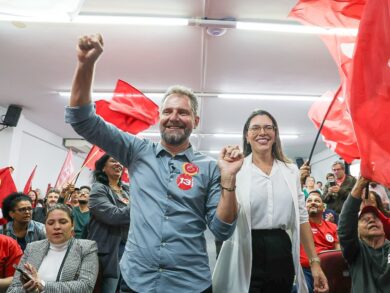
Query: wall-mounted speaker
[12,116]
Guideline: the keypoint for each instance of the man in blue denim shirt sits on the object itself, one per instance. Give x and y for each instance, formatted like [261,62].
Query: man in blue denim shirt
[176,191]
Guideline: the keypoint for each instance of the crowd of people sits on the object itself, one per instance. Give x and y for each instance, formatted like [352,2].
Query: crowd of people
[271,219]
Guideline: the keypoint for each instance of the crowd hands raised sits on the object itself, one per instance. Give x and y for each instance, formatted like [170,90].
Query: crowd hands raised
[256,201]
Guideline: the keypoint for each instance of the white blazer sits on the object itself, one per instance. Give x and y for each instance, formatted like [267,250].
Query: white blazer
[232,273]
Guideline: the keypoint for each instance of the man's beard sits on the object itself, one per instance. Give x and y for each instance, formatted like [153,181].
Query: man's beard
[175,138]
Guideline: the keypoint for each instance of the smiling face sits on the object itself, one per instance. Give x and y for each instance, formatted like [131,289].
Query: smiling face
[52,199]
[370,226]
[177,120]
[58,226]
[113,169]
[261,134]
[314,204]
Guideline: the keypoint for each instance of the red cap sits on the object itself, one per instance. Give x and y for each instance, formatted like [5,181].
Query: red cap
[385,220]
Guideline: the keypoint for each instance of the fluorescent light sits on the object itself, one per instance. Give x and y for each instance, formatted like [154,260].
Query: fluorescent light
[294,28]
[269,97]
[108,95]
[131,20]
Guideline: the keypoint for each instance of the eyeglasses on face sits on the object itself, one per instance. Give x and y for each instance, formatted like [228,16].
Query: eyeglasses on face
[338,169]
[256,129]
[23,210]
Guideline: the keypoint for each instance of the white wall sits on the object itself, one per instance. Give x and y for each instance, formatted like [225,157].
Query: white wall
[321,164]
[28,145]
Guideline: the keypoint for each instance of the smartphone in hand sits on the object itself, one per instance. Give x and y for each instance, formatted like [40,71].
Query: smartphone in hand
[26,276]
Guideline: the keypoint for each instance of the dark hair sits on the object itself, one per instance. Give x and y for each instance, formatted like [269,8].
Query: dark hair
[277,151]
[61,207]
[329,175]
[34,203]
[11,201]
[316,192]
[379,203]
[99,175]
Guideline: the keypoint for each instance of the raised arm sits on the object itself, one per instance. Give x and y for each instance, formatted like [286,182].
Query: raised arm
[348,221]
[89,48]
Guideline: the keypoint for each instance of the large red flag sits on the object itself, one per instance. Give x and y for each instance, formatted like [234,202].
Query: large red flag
[129,110]
[370,91]
[338,132]
[66,172]
[7,184]
[27,187]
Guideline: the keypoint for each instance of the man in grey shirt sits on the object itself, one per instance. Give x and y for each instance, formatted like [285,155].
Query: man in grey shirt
[176,191]
[363,242]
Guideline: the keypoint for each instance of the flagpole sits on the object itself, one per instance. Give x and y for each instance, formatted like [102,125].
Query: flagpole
[76,177]
[322,124]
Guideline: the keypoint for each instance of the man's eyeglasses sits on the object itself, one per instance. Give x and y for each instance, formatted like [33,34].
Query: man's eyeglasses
[335,170]
[256,129]
[23,210]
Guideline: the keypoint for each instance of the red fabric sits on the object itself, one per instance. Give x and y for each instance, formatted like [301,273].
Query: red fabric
[94,154]
[10,254]
[7,184]
[27,187]
[338,130]
[325,238]
[370,91]
[125,176]
[66,172]
[129,110]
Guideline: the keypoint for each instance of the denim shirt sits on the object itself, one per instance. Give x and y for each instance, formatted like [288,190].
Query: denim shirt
[166,248]
[35,231]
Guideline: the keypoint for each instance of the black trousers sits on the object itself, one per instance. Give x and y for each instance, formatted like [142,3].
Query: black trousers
[272,262]
[126,289]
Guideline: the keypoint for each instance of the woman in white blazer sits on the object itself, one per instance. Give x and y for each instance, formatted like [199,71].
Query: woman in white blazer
[260,257]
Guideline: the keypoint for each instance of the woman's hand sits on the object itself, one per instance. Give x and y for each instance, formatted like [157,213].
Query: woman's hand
[34,285]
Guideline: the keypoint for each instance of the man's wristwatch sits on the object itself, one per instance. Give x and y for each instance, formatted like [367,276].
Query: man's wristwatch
[314,259]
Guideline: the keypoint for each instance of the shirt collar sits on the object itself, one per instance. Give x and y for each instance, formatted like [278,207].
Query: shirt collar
[188,153]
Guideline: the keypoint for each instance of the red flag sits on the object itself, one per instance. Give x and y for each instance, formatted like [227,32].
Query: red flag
[27,187]
[7,184]
[94,154]
[370,91]
[48,188]
[338,132]
[66,172]
[129,109]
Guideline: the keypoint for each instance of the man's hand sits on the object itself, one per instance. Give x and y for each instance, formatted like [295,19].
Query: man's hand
[304,172]
[89,48]
[230,160]
[334,189]
[358,189]
[319,279]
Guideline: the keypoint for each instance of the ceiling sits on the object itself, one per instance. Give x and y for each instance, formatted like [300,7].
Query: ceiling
[38,61]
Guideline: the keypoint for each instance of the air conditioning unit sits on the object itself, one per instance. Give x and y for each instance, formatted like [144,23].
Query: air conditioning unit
[77,145]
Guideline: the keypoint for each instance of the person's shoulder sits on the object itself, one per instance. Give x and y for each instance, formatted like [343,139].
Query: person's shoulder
[96,186]
[37,244]
[86,243]
[6,241]
[36,224]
